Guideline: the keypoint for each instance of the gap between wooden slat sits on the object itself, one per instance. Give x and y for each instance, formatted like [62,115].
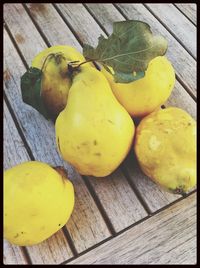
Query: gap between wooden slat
[16,46]
[185,87]
[37,26]
[184,14]
[129,227]
[137,192]
[68,24]
[26,255]
[96,20]
[177,76]
[28,149]
[99,205]
[168,29]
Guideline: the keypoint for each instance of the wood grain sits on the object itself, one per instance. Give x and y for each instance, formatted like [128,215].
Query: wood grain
[81,22]
[184,64]
[14,153]
[118,199]
[117,181]
[177,23]
[52,25]
[35,129]
[190,10]
[166,238]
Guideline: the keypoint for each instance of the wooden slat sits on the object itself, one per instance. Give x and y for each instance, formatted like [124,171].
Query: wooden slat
[81,22]
[106,14]
[52,251]
[183,63]
[14,153]
[116,182]
[118,200]
[91,227]
[190,10]
[177,23]
[166,238]
[180,98]
[52,25]
[155,197]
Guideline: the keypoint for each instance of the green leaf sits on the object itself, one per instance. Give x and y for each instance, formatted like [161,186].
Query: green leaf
[31,90]
[128,49]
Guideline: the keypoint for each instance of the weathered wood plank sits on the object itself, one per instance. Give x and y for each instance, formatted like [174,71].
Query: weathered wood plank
[180,98]
[12,254]
[190,10]
[52,251]
[106,14]
[52,25]
[183,63]
[43,146]
[177,23]
[118,200]
[24,31]
[116,182]
[166,238]
[14,153]
[81,22]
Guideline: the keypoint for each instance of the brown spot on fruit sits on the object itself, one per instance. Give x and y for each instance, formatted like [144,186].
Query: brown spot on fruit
[97,154]
[84,143]
[111,122]
[95,142]
[58,144]
[19,38]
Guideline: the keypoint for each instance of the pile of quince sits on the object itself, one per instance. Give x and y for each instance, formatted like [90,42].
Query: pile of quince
[94,101]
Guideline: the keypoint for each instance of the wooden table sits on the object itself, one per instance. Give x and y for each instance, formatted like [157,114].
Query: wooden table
[124,218]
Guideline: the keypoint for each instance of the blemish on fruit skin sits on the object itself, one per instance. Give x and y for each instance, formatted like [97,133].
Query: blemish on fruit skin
[84,143]
[95,142]
[97,154]
[168,130]
[59,145]
[111,122]
[154,143]
[16,235]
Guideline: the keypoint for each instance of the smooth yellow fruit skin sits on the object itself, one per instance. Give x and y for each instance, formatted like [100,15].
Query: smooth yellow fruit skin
[55,80]
[143,96]
[165,146]
[38,201]
[94,132]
